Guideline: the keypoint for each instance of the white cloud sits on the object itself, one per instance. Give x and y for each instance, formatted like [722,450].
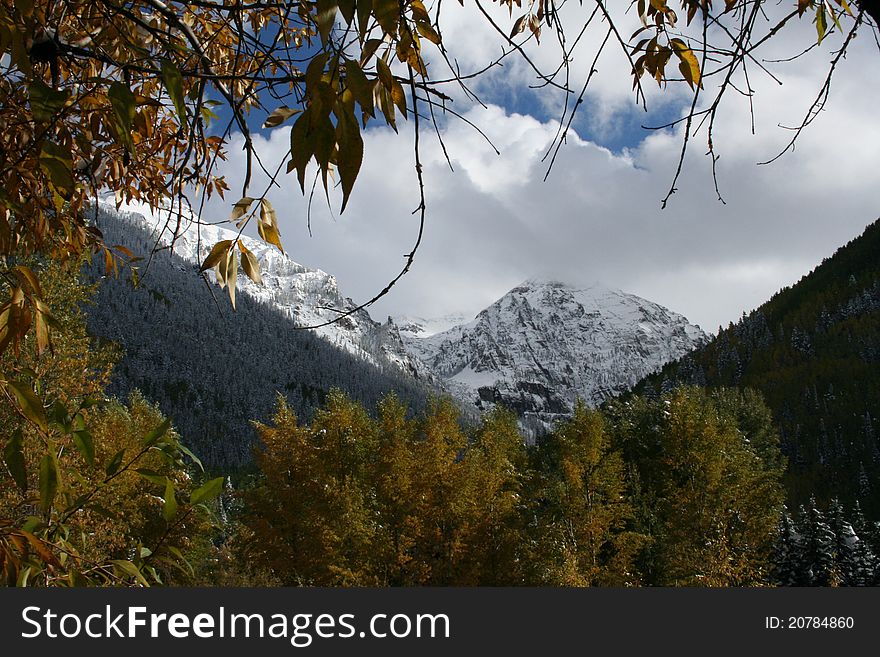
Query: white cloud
[493,222]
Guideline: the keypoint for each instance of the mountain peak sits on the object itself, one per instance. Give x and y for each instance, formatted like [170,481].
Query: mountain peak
[540,281]
[549,290]
[546,343]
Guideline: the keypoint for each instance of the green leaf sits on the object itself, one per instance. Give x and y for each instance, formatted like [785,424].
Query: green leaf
[207,491]
[208,115]
[14,459]
[57,164]
[79,422]
[181,564]
[123,102]
[124,105]
[46,102]
[58,415]
[30,404]
[86,446]
[170,508]
[88,402]
[33,524]
[115,462]
[154,436]
[195,459]
[76,579]
[129,568]
[821,22]
[173,81]
[835,19]
[152,476]
[48,482]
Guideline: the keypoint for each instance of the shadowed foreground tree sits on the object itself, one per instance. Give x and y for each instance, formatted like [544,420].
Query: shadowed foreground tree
[93,491]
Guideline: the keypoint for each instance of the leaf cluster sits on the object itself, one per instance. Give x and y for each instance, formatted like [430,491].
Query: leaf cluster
[94,492]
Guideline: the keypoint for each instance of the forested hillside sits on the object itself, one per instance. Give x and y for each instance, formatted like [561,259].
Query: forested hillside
[813,351]
[212,369]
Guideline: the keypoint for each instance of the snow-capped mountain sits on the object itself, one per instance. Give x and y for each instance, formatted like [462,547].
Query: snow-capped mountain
[309,297]
[536,350]
[411,326]
[544,344]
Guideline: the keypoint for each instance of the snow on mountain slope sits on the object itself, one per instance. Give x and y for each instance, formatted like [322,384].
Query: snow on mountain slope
[411,326]
[307,296]
[545,343]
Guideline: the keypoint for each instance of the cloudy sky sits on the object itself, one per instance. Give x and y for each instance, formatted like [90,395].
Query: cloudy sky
[493,222]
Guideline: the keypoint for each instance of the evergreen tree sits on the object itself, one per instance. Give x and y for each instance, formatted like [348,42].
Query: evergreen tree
[785,562]
[845,546]
[186,368]
[866,564]
[817,558]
